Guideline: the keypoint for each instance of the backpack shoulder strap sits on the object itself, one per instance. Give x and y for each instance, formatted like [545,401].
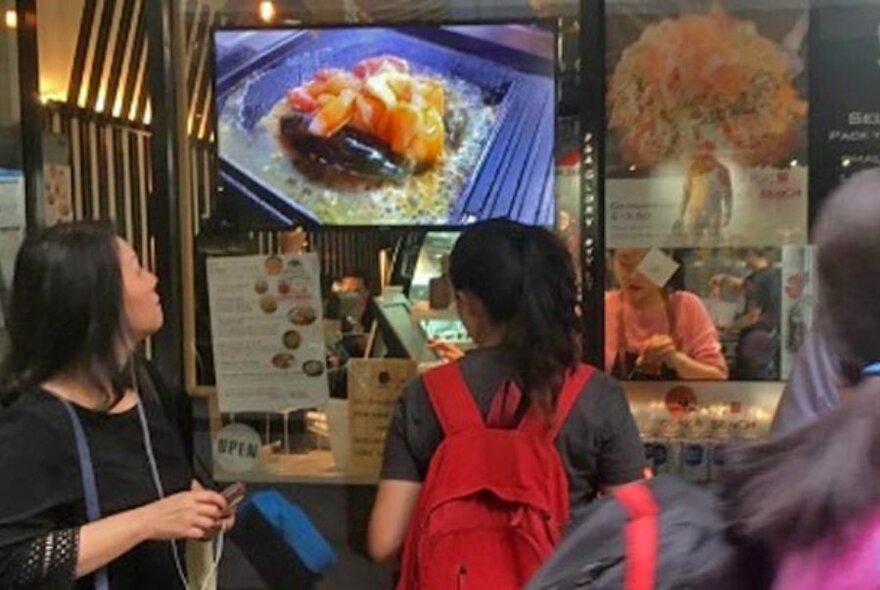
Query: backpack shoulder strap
[641,535]
[505,404]
[90,486]
[452,400]
[571,389]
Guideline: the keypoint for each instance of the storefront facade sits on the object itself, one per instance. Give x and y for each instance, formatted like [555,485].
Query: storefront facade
[692,142]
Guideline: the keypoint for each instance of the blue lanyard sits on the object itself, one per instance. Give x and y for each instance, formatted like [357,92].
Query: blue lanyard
[872,370]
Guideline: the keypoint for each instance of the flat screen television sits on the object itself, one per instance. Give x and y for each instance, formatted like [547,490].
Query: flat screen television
[423,125]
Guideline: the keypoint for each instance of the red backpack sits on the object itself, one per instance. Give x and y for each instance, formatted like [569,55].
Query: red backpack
[495,502]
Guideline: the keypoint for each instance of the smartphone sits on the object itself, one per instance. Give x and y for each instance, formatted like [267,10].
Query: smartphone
[234,494]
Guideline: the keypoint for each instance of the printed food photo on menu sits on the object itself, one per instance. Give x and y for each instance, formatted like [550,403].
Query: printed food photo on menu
[707,116]
[413,126]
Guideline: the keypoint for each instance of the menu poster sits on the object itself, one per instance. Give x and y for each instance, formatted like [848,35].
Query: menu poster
[845,100]
[707,122]
[373,388]
[268,338]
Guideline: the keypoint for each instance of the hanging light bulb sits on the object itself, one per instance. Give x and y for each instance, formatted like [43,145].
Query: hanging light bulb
[11,19]
[267,11]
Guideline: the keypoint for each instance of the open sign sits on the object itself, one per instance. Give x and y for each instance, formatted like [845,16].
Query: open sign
[237,448]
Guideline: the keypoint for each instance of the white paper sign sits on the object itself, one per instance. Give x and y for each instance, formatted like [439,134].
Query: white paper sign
[657,267]
[268,339]
[768,207]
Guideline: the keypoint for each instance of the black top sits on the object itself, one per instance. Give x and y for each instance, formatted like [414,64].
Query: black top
[41,488]
[599,443]
[763,290]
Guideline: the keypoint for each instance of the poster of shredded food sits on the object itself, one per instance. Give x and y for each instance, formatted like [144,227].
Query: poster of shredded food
[267,332]
[707,122]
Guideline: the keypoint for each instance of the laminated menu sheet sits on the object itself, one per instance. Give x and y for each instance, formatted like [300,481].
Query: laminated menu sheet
[267,332]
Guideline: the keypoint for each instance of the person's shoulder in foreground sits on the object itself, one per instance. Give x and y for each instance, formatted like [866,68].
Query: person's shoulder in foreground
[813,388]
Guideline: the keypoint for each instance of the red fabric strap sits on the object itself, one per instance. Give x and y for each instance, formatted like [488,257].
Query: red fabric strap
[457,410]
[642,535]
[505,404]
[571,390]
[452,400]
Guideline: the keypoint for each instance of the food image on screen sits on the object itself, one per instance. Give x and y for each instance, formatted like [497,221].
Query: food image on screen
[377,123]
[379,126]
[261,287]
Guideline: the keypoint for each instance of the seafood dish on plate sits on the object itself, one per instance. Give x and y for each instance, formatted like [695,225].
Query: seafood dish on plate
[367,126]
[379,121]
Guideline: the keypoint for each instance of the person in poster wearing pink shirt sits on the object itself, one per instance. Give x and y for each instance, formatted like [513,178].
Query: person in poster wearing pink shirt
[655,332]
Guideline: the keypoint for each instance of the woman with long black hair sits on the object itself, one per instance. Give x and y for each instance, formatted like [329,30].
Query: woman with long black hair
[812,498]
[95,485]
[516,294]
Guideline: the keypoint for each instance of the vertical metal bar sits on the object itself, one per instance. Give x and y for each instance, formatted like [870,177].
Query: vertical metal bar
[592,86]
[128,158]
[118,135]
[31,111]
[138,187]
[86,166]
[104,171]
[95,169]
[208,186]
[195,184]
[76,161]
[165,32]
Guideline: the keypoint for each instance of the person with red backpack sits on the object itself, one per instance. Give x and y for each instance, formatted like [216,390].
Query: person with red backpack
[488,459]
